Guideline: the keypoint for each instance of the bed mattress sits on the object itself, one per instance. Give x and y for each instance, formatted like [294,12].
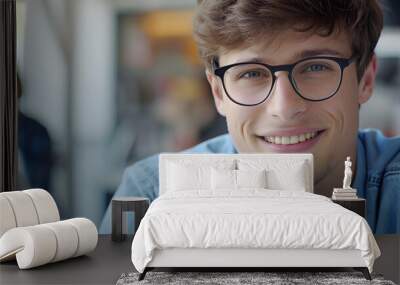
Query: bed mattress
[250,219]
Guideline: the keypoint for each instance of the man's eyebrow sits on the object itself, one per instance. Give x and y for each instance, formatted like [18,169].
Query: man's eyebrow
[253,59]
[299,55]
[318,52]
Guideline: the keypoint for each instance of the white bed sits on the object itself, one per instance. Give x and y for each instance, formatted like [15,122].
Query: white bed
[247,210]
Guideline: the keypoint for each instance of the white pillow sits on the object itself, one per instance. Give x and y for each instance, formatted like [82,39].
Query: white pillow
[183,177]
[193,174]
[281,174]
[251,178]
[295,179]
[225,179]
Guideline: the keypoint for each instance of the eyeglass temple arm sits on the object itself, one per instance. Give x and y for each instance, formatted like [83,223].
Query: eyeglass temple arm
[214,63]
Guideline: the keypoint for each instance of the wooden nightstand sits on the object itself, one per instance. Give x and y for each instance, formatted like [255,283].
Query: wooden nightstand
[356,205]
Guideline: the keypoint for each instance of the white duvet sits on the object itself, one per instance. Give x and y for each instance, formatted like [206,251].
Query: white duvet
[250,219]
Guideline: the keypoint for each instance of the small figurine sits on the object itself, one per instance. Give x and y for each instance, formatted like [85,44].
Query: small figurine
[347,174]
[346,192]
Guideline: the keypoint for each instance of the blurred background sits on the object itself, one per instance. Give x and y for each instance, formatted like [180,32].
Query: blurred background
[105,83]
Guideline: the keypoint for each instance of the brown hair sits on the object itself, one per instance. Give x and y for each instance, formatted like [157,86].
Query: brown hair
[229,24]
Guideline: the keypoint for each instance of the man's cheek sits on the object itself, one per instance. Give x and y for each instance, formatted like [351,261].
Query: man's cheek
[336,114]
[346,120]
[235,126]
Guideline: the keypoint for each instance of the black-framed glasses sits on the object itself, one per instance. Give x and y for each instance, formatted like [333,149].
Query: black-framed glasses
[314,78]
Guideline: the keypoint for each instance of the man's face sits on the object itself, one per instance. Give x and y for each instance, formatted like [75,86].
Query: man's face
[327,129]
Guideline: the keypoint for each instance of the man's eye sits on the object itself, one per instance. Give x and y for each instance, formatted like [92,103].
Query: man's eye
[316,68]
[254,74]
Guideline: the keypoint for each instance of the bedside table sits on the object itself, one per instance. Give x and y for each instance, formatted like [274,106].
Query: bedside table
[138,205]
[356,205]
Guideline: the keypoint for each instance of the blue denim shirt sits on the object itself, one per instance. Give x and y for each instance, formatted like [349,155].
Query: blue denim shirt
[377,178]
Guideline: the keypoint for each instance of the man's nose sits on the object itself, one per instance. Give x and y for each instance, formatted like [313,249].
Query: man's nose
[284,103]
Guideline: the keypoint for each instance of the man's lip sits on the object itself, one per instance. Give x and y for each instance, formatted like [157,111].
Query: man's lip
[290,132]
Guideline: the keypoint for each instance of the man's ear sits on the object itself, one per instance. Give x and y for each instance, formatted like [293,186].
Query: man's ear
[367,82]
[216,90]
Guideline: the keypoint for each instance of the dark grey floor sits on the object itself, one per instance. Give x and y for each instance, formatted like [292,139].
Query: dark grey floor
[110,259]
[389,262]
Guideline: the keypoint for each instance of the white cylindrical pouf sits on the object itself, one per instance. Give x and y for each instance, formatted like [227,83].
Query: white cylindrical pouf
[40,244]
[23,208]
[34,245]
[7,218]
[45,205]
[67,239]
[87,234]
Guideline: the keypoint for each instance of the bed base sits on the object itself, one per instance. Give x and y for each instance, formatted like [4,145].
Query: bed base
[364,270]
[250,259]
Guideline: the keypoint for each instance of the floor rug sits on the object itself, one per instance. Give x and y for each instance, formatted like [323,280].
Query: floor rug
[244,278]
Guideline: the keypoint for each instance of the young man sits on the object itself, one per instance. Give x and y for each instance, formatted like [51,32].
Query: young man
[290,76]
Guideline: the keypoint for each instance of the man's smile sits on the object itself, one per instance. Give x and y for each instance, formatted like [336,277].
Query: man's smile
[292,141]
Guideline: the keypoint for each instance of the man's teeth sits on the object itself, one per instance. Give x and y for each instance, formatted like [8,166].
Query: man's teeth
[291,139]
